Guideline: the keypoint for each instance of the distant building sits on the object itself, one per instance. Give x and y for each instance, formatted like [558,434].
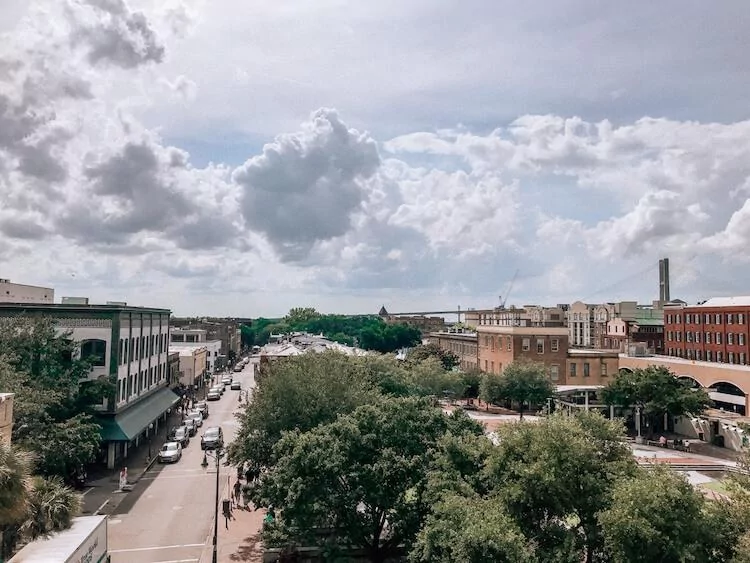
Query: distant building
[227,331]
[499,346]
[714,331]
[6,417]
[193,364]
[173,369]
[591,367]
[128,344]
[20,293]
[191,336]
[461,343]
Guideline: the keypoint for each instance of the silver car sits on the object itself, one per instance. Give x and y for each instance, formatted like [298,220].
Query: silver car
[192,428]
[170,452]
[197,417]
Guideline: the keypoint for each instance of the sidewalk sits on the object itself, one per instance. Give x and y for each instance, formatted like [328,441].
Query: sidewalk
[241,541]
[101,494]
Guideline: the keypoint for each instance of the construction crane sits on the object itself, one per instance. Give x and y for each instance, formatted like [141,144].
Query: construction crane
[510,288]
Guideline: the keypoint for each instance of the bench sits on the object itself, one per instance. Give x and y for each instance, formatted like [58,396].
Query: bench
[670,445]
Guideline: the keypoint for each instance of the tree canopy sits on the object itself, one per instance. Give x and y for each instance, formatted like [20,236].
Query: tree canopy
[367,331]
[53,404]
[657,392]
[362,477]
[448,359]
[524,383]
[30,506]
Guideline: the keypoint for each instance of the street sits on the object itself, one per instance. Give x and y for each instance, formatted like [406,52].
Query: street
[168,516]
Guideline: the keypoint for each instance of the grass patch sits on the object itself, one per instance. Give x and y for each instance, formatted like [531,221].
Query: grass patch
[717,486]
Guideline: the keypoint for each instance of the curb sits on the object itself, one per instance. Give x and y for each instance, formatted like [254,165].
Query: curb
[145,469]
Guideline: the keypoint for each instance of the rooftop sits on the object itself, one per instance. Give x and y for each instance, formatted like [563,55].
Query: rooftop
[737,301]
[70,308]
[589,352]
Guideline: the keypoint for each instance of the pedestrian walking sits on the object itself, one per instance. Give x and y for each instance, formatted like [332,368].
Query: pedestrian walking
[237,493]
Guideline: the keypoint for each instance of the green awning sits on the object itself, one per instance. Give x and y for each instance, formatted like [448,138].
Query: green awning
[649,322]
[125,426]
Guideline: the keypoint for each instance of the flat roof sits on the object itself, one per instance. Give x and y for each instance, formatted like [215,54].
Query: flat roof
[523,330]
[656,360]
[568,388]
[465,335]
[590,352]
[736,301]
[70,308]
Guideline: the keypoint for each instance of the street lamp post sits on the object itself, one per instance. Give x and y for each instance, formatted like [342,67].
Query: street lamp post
[638,437]
[150,436]
[216,455]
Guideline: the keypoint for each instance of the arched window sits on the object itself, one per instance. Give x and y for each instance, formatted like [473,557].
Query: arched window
[94,350]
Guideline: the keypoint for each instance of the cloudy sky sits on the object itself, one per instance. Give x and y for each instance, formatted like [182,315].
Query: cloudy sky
[235,157]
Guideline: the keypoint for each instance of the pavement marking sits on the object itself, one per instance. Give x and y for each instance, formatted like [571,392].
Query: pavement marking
[102,506]
[178,476]
[114,521]
[155,548]
[87,491]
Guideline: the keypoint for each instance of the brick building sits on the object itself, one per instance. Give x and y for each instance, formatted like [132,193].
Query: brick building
[714,331]
[590,367]
[499,346]
[462,344]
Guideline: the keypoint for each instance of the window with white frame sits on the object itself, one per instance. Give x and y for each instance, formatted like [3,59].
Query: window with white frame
[555,344]
[554,372]
[526,344]
[540,346]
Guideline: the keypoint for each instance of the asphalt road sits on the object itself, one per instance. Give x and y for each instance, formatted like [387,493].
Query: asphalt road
[167,518]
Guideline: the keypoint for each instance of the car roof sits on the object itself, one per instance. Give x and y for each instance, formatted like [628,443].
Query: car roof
[168,444]
[213,430]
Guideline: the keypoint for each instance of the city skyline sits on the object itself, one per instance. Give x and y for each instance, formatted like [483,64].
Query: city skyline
[226,160]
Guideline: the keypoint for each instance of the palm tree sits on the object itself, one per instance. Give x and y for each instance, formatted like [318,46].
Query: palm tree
[15,484]
[51,507]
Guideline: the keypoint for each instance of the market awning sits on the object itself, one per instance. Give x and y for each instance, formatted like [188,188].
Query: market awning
[125,426]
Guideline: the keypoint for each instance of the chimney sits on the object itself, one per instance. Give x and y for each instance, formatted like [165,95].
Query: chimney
[664,280]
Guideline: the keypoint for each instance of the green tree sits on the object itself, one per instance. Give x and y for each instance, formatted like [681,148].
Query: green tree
[491,388]
[657,392]
[471,380]
[526,383]
[471,530]
[448,359]
[429,378]
[656,515]
[52,507]
[556,475]
[300,316]
[53,404]
[362,477]
[299,393]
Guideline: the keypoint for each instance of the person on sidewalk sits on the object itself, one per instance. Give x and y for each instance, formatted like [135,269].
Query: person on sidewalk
[237,493]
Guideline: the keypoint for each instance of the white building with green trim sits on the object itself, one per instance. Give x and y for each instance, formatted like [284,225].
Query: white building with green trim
[129,344]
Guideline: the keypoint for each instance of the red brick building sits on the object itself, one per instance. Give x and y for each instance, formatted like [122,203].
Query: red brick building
[714,331]
[499,346]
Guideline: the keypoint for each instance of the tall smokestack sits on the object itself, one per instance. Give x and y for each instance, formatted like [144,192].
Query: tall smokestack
[664,280]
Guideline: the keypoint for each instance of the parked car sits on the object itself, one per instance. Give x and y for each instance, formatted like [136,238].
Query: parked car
[226,380]
[170,452]
[196,417]
[212,438]
[213,395]
[191,426]
[235,386]
[181,435]
[238,367]
[219,388]
[203,407]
